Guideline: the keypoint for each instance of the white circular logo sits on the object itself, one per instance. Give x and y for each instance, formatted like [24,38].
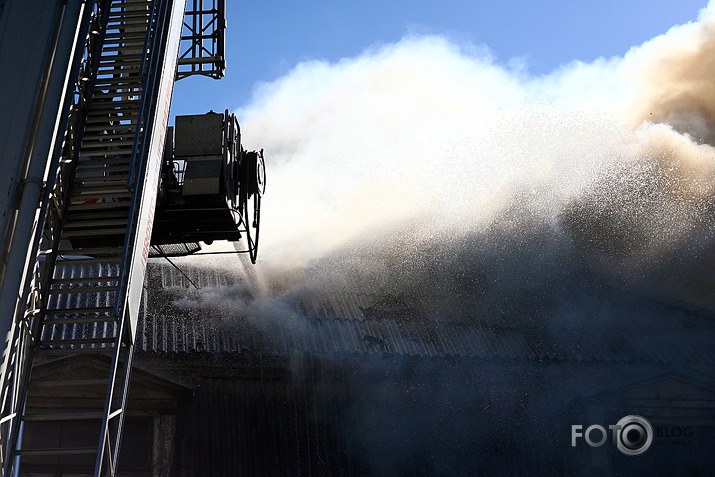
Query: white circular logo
[634,435]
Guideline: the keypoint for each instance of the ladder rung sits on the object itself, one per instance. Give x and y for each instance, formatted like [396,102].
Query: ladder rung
[120,214]
[97,143]
[107,118]
[123,21]
[103,83]
[97,193]
[108,154]
[128,73]
[120,60]
[89,230]
[123,45]
[91,251]
[100,205]
[94,223]
[123,4]
[113,106]
[107,127]
[139,21]
[129,133]
[105,176]
[125,36]
[87,261]
[105,180]
[106,148]
[104,120]
[125,14]
[91,191]
[114,70]
[106,161]
[94,232]
[81,199]
[57,451]
[67,416]
[79,311]
[106,171]
[127,5]
[70,382]
[104,139]
[120,55]
[69,290]
[65,351]
[77,342]
[99,169]
[78,280]
[115,92]
[130,67]
[122,101]
[80,320]
[120,48]
[142,14]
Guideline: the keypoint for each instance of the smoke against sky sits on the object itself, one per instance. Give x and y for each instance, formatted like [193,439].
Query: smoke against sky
[425,146]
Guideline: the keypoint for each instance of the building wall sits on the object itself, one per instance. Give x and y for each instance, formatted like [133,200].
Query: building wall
[364,415]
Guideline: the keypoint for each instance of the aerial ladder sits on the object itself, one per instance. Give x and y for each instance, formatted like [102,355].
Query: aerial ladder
[89,166]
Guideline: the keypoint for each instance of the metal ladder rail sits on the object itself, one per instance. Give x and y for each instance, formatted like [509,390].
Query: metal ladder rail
[113,448]
[135,181]
[93,344]
[107,451]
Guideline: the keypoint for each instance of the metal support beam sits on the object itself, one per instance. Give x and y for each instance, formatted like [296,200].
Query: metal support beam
[203,40]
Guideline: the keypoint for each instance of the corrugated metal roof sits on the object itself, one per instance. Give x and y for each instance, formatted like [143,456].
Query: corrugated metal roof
[174,320]
[339,323]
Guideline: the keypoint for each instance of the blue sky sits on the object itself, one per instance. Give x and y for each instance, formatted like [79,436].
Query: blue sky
[267,39]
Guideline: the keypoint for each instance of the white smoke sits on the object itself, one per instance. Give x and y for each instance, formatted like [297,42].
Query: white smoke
[426,144]
[431,131]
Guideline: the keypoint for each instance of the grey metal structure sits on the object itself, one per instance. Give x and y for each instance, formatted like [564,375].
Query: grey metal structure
[211,187]
[87,160]
[203,39]
[82,140]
